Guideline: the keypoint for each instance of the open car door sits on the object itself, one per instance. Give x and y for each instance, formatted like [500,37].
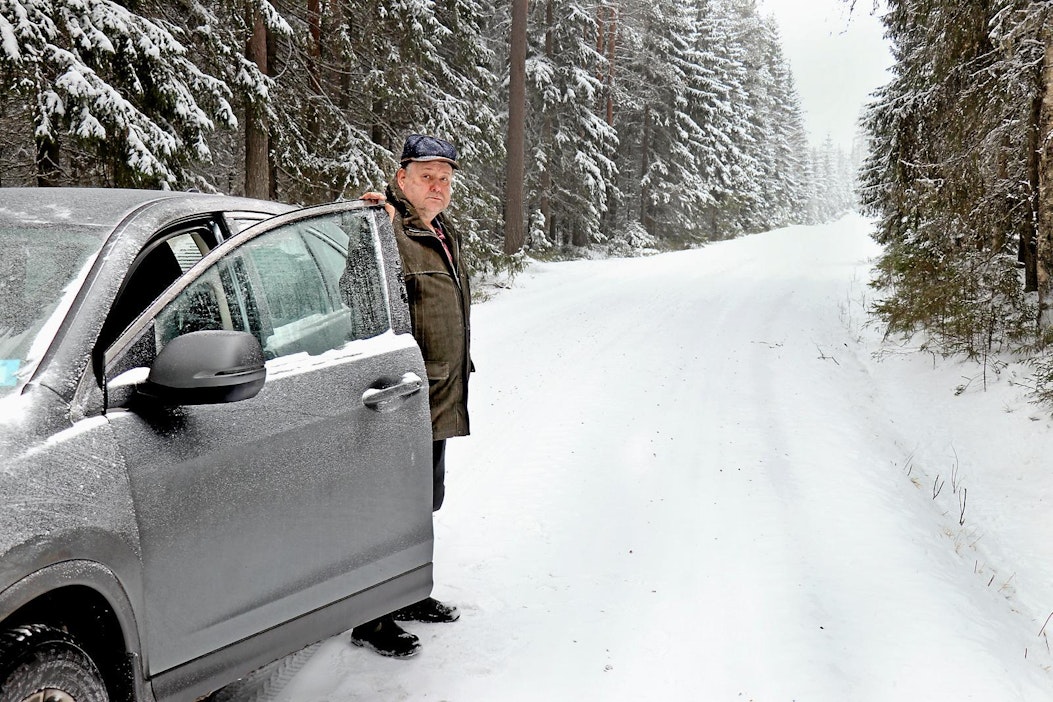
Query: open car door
[301,511]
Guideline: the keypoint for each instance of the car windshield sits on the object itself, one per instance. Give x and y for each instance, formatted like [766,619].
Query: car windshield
[38,263]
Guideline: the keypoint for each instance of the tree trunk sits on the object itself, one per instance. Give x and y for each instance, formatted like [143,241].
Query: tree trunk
[645,166]
[314,60]
[580,237]
[1026,246]
[610,213]
[273,69]
[545,185]
[545,196]
[257,133]
[515,226]
[47,162]
[612,42]
[343,86]
[1044,209]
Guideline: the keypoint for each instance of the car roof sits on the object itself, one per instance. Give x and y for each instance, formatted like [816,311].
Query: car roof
[105,208]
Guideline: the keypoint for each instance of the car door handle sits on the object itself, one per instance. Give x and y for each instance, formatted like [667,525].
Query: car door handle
[382,399]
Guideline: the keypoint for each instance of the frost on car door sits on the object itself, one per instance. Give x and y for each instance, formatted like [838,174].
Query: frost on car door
[256,512]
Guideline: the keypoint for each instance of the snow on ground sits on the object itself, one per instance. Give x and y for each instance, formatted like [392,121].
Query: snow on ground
[702,476]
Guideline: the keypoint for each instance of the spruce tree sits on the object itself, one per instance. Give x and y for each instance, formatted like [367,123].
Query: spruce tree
[570,143]
[953,171]
[114,96]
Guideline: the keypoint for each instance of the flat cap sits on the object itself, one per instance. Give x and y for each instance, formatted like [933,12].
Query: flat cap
[421,147]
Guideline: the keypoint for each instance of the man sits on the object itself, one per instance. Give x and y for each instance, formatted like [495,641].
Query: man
[439,300]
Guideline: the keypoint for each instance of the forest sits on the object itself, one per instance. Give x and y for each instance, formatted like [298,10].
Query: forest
[619,125]
[634,125]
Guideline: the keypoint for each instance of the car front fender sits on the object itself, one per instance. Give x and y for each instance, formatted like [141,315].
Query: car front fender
[46,585]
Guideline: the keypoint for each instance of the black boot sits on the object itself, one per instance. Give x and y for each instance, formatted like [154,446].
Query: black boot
[428,610]
[386,637]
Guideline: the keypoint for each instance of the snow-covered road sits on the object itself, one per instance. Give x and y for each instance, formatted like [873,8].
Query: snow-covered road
[689,478]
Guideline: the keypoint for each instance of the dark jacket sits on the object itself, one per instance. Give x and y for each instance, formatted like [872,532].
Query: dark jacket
[439,300]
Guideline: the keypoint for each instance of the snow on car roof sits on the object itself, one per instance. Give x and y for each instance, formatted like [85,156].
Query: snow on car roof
[84,208]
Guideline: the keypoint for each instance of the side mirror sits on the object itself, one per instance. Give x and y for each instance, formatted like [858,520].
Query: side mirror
[206,367]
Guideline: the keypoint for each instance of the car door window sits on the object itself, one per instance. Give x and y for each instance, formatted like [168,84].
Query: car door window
[306,287]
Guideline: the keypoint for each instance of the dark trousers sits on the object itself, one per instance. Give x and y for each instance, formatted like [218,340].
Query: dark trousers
[438,473]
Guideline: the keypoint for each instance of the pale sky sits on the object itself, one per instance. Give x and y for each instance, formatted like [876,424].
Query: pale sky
[836,60]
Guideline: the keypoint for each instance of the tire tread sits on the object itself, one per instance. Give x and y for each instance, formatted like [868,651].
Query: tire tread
[37,656]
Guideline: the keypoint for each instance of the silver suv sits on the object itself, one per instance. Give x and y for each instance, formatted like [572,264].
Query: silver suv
[215,445]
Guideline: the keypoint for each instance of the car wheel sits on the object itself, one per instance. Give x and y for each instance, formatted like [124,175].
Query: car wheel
[43,664]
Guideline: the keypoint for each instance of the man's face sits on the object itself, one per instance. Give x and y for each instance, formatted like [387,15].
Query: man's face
[427,185]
